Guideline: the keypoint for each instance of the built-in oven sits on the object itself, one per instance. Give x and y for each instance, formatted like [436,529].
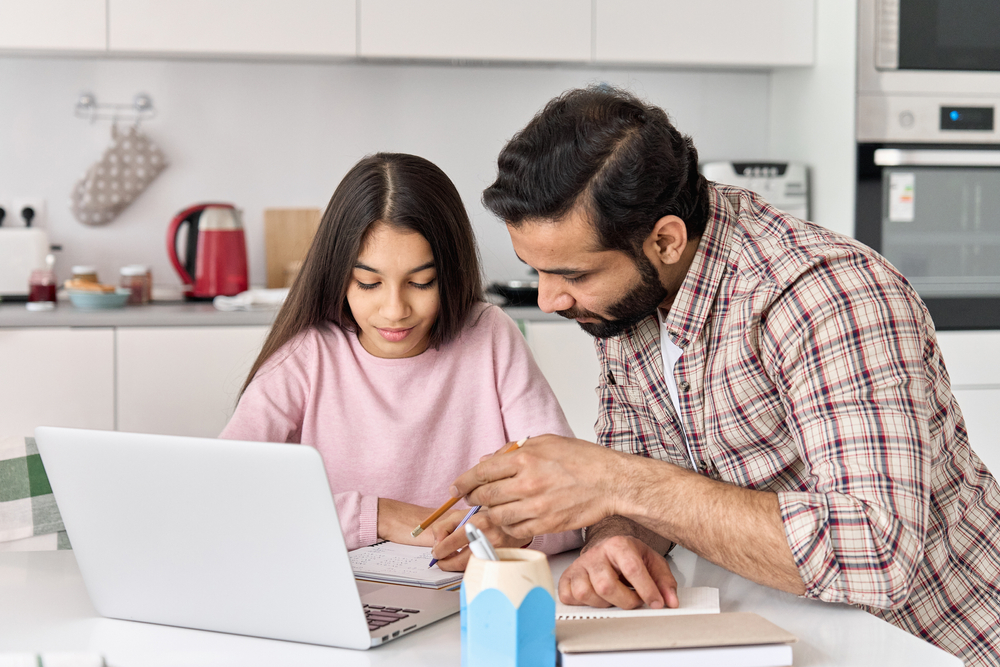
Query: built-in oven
[928,169]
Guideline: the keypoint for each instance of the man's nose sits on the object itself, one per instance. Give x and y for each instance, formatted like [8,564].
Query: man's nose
[552,296]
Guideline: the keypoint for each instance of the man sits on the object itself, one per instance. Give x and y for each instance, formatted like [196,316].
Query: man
[772,395]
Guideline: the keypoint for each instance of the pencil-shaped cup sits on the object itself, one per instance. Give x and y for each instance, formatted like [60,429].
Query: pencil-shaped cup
[509,611]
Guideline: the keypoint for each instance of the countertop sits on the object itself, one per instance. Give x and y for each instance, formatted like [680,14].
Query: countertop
[44,607]
[170,314]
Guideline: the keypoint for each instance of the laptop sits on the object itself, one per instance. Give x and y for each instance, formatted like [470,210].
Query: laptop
[238,537]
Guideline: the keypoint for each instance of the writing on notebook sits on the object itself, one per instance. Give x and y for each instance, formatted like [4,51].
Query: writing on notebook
[399,564]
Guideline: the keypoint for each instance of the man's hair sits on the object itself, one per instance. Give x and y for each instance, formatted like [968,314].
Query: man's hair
[617,158]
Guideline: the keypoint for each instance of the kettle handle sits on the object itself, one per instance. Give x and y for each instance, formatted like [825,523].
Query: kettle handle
[175,229]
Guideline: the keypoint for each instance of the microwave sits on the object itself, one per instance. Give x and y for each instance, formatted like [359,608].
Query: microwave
[928,71]
[928,151]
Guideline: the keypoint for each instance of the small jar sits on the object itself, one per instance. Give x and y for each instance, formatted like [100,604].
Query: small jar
[86,274]
[41,290]
[138,278]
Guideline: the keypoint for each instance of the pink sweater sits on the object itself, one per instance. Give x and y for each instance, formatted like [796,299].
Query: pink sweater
[401,428]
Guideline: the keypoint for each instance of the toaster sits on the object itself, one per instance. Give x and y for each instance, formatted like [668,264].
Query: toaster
[22,250]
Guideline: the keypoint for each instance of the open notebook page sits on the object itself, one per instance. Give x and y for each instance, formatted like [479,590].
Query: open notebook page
[696,600]
[392,563]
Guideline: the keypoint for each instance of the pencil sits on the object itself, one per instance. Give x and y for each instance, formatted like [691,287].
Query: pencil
[447,506]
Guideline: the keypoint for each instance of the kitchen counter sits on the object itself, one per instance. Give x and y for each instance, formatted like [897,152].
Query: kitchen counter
[164,314]
[170,314]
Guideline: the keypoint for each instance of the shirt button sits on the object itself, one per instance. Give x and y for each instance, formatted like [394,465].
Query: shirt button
[684,385]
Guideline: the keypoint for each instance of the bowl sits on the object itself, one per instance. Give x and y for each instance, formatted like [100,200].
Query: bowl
[516,292]
[91,300]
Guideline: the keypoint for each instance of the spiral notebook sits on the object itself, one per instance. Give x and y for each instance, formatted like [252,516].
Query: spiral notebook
[696,600]
[391,563]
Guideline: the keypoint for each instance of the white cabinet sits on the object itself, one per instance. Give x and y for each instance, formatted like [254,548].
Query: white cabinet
[743,33]
[567,358]
[973,361]
[545,30]
[53,25]
[56,377]
[740,33]
[183,380]
[289,27]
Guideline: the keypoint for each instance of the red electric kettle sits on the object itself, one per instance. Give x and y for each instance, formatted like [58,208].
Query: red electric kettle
[215,261]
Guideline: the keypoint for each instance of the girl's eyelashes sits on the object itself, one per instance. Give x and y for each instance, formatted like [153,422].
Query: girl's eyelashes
[427,285]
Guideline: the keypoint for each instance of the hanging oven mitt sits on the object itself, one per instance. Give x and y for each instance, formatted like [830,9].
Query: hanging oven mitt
[127,167]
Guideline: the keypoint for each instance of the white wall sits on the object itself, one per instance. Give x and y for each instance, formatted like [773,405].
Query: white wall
[812,115]
[274,134]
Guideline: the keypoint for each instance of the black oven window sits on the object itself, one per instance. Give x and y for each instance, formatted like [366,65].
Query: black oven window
[949,35]
[941,229]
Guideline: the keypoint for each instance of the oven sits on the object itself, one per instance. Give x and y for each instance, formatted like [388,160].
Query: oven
[928,160]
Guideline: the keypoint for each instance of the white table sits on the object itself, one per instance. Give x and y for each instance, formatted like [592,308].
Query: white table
[44,608]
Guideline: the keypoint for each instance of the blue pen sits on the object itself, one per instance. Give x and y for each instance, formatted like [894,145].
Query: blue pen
[462,523]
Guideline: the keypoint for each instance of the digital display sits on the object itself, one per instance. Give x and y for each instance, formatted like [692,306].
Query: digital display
[966,118]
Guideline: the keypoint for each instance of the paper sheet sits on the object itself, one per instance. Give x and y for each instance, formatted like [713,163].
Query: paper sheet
[697,600]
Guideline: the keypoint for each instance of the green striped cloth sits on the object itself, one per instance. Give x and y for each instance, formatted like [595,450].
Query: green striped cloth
[27,507]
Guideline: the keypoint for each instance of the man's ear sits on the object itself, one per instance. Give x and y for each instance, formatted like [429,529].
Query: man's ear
[666,243]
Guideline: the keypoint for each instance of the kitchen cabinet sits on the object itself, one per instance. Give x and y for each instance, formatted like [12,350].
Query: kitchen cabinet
[714,33]
[182,380]
[973,361]
[290,27]
[568,360]
[552,30]
[742,33]
[56,376]
[53,25]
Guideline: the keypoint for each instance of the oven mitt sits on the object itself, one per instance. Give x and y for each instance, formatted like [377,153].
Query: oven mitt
[127,167]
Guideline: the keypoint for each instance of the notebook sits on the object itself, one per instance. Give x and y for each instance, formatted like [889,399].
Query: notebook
[239,537]
[696,600]
[700,640]
[391,563]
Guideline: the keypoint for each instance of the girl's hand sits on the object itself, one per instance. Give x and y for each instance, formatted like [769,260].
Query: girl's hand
[397,519]
[448,541]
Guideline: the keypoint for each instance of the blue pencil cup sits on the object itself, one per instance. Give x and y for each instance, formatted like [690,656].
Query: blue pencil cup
[509,611]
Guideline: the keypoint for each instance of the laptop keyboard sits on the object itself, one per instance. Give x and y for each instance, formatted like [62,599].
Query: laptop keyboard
[378,616]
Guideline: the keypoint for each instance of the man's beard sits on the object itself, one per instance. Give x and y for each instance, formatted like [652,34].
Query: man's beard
[637,304]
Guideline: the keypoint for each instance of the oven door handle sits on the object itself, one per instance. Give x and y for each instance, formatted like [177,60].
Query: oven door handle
[912,157]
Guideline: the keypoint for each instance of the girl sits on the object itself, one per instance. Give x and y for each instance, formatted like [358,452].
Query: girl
[385,359]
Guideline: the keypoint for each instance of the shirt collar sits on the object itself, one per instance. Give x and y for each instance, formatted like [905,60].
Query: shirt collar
[694,300]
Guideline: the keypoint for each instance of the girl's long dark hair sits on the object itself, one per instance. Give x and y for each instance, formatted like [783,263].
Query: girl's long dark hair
[407,192]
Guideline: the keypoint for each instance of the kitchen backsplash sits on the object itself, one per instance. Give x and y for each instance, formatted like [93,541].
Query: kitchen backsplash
[282,134]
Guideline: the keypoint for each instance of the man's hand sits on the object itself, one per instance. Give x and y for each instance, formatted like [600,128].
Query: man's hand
[606,573]
[448,540]
[549,485]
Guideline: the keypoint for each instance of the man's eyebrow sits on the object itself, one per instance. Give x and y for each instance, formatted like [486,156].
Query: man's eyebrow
[553,272]
[422,267]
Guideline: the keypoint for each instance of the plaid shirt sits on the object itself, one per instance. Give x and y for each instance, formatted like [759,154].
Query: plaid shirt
[811,369]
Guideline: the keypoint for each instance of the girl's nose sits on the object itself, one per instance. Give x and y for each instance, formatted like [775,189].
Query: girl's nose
[394,308]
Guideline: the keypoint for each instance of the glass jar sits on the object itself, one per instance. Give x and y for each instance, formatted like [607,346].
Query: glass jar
[139,279]
[42,290]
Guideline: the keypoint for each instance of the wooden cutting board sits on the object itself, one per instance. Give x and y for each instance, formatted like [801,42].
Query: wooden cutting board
[288,232]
